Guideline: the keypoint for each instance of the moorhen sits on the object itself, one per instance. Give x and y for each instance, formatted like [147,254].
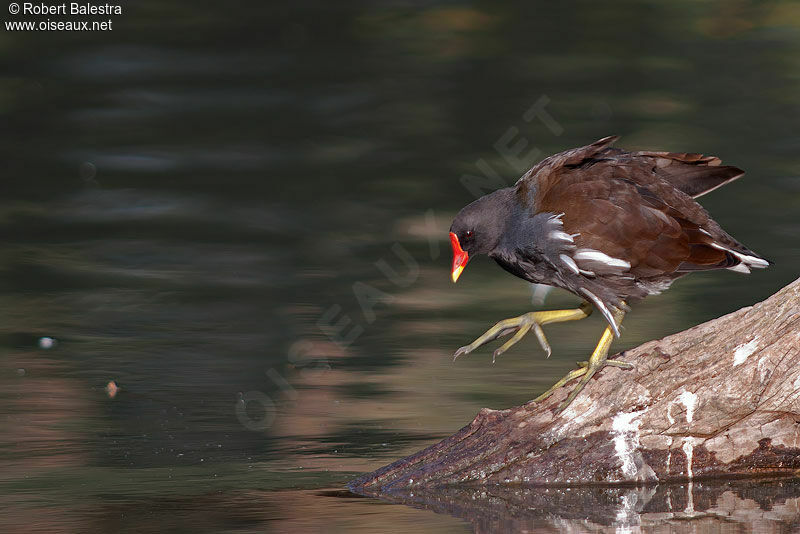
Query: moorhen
[607,225]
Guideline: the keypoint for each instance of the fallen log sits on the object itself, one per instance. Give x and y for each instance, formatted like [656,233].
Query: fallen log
[721,399]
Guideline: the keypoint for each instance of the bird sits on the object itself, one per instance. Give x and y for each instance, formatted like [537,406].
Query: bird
[608,225]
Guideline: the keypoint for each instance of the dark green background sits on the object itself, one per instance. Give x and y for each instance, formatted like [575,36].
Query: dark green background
[184,197]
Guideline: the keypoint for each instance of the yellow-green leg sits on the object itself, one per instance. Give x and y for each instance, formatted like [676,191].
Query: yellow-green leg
[522,325]
[587,370]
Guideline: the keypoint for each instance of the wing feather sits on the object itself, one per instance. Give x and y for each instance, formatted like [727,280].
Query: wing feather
[637,206]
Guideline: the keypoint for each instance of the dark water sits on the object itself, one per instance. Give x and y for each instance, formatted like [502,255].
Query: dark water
[238,213]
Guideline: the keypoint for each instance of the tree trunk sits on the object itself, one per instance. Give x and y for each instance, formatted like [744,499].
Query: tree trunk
[720,399]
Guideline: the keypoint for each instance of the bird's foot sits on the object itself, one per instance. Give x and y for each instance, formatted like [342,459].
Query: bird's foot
[586,370]
[521,325]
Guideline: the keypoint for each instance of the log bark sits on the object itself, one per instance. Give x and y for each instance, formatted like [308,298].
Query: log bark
[721,399]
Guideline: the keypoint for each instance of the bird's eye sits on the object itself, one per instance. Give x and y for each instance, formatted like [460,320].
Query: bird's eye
[468,235]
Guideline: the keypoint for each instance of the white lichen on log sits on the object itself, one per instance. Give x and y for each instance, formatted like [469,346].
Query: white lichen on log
[719,399]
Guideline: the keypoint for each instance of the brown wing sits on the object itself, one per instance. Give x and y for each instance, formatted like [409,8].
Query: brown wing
[541,175]
[694,174]
[625,206]
[691,173]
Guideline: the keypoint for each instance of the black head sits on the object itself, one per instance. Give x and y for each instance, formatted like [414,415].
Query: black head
[478,228]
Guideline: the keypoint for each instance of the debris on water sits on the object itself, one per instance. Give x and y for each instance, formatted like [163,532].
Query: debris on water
[112,389]
[46,343]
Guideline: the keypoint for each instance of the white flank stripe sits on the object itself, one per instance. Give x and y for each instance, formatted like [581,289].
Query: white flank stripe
[602,307]
[570,263]
[741,268]
[561,236]
[588,254]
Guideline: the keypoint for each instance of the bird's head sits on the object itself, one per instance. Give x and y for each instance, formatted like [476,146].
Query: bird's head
[477,228]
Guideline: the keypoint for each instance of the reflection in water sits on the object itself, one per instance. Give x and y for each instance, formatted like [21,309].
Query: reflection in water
[751,506]
[187,198]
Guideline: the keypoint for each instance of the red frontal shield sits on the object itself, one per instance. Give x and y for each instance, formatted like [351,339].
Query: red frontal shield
[460,257]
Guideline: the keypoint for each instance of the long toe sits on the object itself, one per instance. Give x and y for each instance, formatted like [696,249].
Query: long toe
[461,351]
[521,326]
[572,375]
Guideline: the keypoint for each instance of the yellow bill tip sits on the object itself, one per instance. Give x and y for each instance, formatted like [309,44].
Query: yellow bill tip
[457,273]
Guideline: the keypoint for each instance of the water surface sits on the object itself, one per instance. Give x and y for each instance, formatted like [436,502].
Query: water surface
[239,217]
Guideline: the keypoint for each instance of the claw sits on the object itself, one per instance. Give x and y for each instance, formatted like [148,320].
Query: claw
[523,329]
[575,373]
[588,373]
[537,329]
[588,369]
[495,332]
[520,326]
[460,351]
